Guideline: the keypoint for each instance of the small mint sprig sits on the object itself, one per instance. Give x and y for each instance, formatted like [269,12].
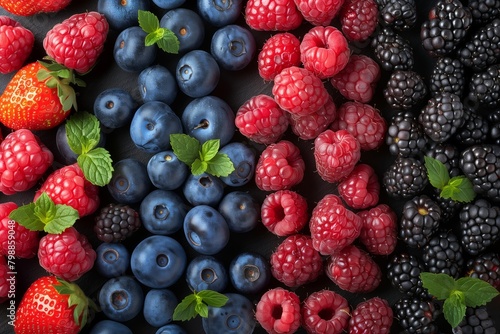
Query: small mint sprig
[458,294]
[163,37]
[197,303]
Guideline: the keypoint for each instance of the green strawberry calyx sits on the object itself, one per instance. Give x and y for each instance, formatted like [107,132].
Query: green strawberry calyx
[163,37]
[197,303]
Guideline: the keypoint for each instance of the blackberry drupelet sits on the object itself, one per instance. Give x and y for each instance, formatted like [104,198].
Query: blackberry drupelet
[474,129]
[483,11]
[447,77]
[403,270]
[483,48]
[400,14]
[420,219]
[444,254]
[484,87]
[405,178]
[405,135]
[417,315]
[392,50]
[405,89]
[494,122]
[485,266]
[476,321]
[116,222]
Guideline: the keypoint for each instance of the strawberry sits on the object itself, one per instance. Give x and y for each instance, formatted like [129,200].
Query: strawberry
[52,305]
[16,43]
[32,7]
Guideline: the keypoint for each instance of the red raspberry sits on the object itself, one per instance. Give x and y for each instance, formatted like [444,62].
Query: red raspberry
[324,51]
[325,312]
[272,15]
[336,154]
[78,41]
[358,19]
[4,277]
[319,13]
[25,241]
[360,190]
[284,212]
[261,120]
[280,51]
[68,186]
[332,225]
[353,270]
[363,121]
[295,262]
[310,126]
[16,44]
[280,166]
[373,316]
[358,79]
[379,229]
[278,311]
[23,161]
[68,255]
[299,91]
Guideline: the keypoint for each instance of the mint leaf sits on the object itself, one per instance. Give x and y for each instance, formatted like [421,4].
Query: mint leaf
[438,285]
[209,149]
[197,304]
[185,310]
[437,172]
[25,216]
[213,298]
[45,209]
[185,147]
[220,165]
[198,167]
[460,189]
[163,37]
[83,132]
[169,43]
[65,216]
[454,308]
[97,166]
[148,21]
[201,309]
[476,291]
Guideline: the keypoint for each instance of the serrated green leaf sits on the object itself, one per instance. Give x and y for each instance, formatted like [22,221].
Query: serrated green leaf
[220,165]
[209,149]
[25,216]
[454,308]
[65,216]
[45,209]
[460,189]
[198,167]
[201,309]
[83,132]
[148,21]
[437,284]
[185,147]
[185,310]
[169,42]
[151,39]
[213,298]
[437,172]
[476,291]
[97,166]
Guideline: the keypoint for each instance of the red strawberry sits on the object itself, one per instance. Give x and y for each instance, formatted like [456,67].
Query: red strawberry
[284,212]
[280,51]
[25,242]
[5,278]
[319,12]
[325,312]
[358,19]
[379,230]
[360,189]
[16,43]
[278,311]
[32,7]
[272,15]
[374,313]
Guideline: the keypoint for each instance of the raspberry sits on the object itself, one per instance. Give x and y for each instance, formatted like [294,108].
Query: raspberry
[325,312]
[336,153]
[360,190]
[332,226]
[272,15]
[17,44]
[364,122]
[261,120]
[278,311]
[25,241]
[4,276]
[280,166]
[23,161]
[353,270]
[280,51]
[319,13]
[324,51]
[310,126]
[373,316]
[68,255]
[295,262]
[284,212]
[299,91]
[379,229]
[358,19]
[358,79]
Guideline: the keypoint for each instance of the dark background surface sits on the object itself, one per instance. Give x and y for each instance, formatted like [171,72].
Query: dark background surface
[234,88]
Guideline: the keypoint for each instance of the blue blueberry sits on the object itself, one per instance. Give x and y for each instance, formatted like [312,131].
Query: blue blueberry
[169,4]
[110,327]
[240,210]
[131,53]
[114,108]
[249,273]
[166,171]
[243,159]
[159,306]
[112,260]
[68,156]
[203,189]
[205,272]
[233,47]
[237,316]
[158,261]
[197,73]
[206,230]
[121,298]
[171,329]
[152,125]
[162,212]
[130,181]
[187,25]
[157,83]
[121,14]
[220,12]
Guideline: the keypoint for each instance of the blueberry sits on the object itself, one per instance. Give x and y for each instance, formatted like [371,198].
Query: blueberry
[130,181]
[152,125]
[131,53]
[205,272]
[249,273]
[121,14]
[159,306]
[243,159]
[114,107]
[157,83]
[236,316]
[203,189]
[121,298]
[240,210]
[171,329]
[112,260]
[220,13]
[187,25]
[110,327]
[158,261]
[162,212]
[68,156]
[169,4]
[197,73]
[206,230]
[166,171]
[233,47]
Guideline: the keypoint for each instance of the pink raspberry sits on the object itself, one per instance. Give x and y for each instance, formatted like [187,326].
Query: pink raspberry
[332,225]
[358,19]
[280,166]
[379,229]
[319,12]
[324,51]
[358,79]
[299,91]
[4,276]
[272,15]
[363,121]
[353,270]
[261,120]
[336,154]
[25,241]
[280,51]
[325,312]
[374,315]
[360,189]
[310,126]
[295,262]
[278,311]
[284,212]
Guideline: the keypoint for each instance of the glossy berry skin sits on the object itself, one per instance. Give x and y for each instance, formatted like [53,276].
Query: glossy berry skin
[116,222]
[220,13]
[236,316]
[359,19]
[272,16]
[361,188]
[107,326]
[162,212]
[319,13]
[171,329]
[310,126]
[233,47]
[203,189]
[241,210]
[17,44]
[113,259]
[169,4]
[197,73]
[284,212]
[121,298]
[67,155]
[249,273]
[159,305]
[268,312]
[166,163]
[25,241]
[187,25]
[158,261]
[121,14]
[114,107]
[322,302]
[130,52]
[374,314]
[157,83]
[278,52]
[130,182]
[243,159]
[379,229]
[32,7]
[205,272]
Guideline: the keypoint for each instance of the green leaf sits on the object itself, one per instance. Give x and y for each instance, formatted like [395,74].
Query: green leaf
[83,132]
[459,189]
[220,165]
[45,209]
[439,285]
[165,38]
[185,310]
[213,298]
[476,291]
[97,166]
[25,216]
[198,167]
[437,172]
[169,43]
[185,147]
[201,309]
[148,21]
[209,149]
[65,216]
[454,308]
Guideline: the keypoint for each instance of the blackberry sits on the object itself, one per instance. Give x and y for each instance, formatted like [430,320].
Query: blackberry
[403,270]
[446,27]
[405,178]
[448,154]
[420,219]
[483,48]
[476,321]
[483,11]
[400,14]
[474,129]
[417,315]
[443,254]
[449,208]
[447,77]
[485,266]
[484,87]
[116,222]
[405,89]
[494,122]
[405,135]
[442,116]
[392,50]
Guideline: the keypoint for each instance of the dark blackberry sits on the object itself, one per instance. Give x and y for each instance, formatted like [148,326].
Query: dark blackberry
[442,116]
[483,48]
[485,266]
[476,321]
[405,178]
[447,77]
[448,154]
[403,270]
[449,208]
[443,254]
[400,14]
[392,50]
[405,89]
[405,135]
[417,315]
[446,27]
[494,122]
[483,11]
[116,222]
[484,87]
[479,226]
[420,219]
[474,129]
